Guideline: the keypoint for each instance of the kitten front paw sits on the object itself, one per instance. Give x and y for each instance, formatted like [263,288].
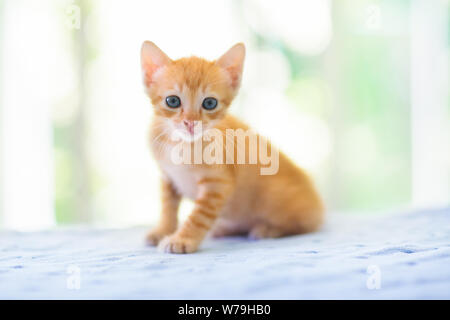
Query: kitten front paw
[176,244]
[155,236]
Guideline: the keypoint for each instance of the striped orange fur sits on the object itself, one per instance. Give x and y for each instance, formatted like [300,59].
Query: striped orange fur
[229,198]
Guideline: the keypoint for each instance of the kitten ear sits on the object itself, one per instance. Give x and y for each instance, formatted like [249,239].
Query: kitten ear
[152,58]
[233,62]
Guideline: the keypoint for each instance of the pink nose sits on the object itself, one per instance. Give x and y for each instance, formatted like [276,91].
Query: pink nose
[189,125]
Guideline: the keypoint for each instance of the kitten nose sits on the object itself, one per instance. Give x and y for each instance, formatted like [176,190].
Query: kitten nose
[189,125]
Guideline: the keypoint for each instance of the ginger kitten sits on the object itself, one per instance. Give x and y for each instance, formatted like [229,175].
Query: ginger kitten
[191,97]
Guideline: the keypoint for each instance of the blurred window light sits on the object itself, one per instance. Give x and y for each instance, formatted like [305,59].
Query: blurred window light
[304,25]
[430,127]
[27,79]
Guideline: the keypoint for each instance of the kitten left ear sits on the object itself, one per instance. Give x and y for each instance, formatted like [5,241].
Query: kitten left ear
[233,62]
[152,58]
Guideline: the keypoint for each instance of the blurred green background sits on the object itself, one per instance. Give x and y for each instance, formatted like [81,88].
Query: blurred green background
[354,91]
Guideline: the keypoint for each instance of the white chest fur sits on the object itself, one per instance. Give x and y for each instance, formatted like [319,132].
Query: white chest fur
[183,178]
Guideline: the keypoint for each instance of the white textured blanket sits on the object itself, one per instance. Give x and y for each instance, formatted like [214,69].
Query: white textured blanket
[388,256]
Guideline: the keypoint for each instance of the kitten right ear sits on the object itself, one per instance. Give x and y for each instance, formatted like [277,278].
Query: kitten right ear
[152,58]
[233,62]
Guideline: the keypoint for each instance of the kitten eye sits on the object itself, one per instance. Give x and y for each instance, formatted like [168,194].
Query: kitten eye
[173,101]
[209,103]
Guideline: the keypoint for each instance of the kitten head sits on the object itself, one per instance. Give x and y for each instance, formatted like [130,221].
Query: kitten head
[191,91]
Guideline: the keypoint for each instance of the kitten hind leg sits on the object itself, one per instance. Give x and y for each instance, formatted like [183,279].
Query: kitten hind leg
[224,228]
[264,230]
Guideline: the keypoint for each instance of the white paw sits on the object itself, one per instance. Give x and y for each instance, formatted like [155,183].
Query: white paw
[176,244]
